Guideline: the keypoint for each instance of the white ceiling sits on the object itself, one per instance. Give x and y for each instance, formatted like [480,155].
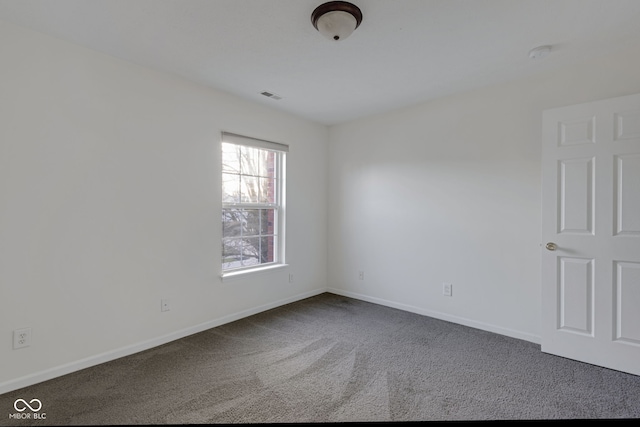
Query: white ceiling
[404,52]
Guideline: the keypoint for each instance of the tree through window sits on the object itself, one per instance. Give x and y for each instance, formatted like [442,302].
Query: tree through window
[252,196]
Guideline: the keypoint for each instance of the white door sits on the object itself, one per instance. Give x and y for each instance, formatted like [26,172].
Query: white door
[591,233]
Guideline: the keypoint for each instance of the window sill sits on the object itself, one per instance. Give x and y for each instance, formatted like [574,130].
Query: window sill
[232,275]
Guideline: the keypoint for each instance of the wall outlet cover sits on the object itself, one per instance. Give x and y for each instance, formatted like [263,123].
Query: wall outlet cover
[21,338]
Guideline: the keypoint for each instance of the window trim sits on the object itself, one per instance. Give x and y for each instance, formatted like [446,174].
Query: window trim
[247,141]
[238,274]
[280,206]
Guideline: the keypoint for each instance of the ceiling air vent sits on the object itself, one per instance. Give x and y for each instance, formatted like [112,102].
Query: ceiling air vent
[271,95]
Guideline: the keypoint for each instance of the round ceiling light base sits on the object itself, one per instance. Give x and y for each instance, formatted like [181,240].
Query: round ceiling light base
[336,20]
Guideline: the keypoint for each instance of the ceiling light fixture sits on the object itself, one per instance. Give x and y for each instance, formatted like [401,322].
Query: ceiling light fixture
[336,20]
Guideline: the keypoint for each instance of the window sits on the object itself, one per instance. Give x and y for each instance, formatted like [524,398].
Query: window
[252,203]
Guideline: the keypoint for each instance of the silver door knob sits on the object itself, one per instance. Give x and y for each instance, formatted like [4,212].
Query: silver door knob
[551,246]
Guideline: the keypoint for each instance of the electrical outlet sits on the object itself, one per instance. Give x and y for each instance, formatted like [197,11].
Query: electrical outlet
[447,289]
[290,277]
[164,305]
[361,275]
[21,338]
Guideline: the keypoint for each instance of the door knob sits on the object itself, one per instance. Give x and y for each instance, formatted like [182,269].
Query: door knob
[551,246]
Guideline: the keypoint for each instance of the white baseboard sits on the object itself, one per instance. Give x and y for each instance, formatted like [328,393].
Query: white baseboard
[68,368]
[442,316]
[77,365]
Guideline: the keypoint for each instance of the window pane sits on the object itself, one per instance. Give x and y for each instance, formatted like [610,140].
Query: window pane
[269,164]
[251,251]
[231,253]
[266,164]
[267,190]
[232,220]
[248,237]
[230,188]
[251,226]
[230,158]
[262,163]
[250,189]
[267,249]
[250,161]
[266,221]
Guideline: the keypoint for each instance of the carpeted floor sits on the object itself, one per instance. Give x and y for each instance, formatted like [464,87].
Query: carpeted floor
[334,359]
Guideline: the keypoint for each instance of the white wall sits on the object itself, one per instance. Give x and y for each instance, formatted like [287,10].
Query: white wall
[449,191]
[110,201]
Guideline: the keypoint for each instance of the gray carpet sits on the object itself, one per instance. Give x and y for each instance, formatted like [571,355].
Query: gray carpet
[334,359]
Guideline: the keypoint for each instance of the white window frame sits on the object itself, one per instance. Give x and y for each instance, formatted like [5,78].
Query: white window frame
[281,151]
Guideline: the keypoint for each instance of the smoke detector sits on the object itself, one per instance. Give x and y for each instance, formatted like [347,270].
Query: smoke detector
[539,52]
